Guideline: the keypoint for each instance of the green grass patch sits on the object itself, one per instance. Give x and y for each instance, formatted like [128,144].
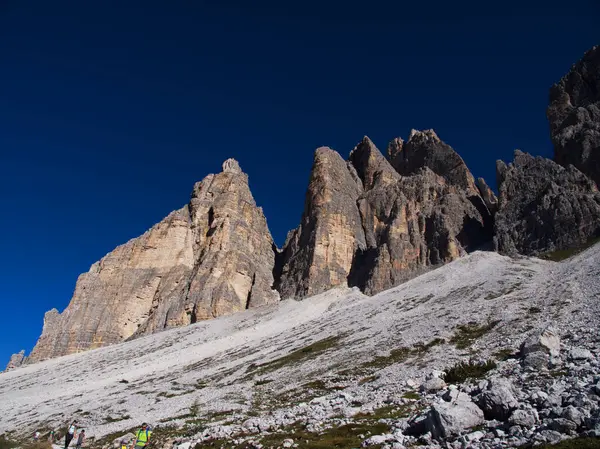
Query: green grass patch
[402,354]
[107,440]
[562,254]
[342,437]
[297,356]
[504,354]
[576,443]
[466,334]
[468,370]
[411,395]
[387,412]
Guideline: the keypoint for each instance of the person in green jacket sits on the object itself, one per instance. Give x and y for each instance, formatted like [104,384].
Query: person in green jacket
[142,437]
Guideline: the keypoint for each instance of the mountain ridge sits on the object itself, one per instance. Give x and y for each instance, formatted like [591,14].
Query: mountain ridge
[369,221]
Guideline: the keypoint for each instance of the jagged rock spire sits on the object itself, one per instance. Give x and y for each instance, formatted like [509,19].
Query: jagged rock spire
[574,116]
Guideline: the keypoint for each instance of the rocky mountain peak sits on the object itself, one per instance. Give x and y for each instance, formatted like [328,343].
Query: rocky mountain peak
[370,164]
[231,166]
[574,116]
[318,254]
[427,135]
[394,148]
[426,149]
[212,257]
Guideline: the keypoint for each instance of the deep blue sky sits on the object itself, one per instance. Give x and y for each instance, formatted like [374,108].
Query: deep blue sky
[109,113]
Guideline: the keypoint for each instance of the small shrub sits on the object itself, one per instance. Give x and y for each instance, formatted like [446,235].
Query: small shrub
[534,310]
[468,370]
[263,381]
[123,381]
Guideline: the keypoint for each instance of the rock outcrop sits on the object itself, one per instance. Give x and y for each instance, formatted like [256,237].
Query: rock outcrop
[426,149]
[543,206]
[213,257]
[366,225]
[16,360]
[318,254]
[574,116]
[411,222]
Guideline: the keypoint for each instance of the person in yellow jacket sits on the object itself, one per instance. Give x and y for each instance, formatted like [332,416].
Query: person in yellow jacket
[142,437]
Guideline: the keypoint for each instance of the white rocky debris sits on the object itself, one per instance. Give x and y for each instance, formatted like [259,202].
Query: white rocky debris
[334,359]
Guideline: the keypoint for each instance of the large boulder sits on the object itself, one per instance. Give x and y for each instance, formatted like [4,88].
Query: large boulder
[447,419]
[543,206]
[546,340]
[498,400]
[574,116]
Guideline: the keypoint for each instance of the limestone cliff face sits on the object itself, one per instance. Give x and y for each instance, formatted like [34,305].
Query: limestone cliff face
[412,222]
[318,254]
[574,116]
[543,206]
[366,225]
[213,257]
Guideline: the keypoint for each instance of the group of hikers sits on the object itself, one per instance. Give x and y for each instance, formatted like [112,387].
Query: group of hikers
[141,440]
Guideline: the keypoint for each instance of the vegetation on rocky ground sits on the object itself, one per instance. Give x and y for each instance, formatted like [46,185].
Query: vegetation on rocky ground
[468,370]
[7,443]
[402,354]
[466,334]
[297,356]
[563,254]
[348,436]
[576,443]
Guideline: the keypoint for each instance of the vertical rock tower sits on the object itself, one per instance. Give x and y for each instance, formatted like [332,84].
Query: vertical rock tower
[213,257]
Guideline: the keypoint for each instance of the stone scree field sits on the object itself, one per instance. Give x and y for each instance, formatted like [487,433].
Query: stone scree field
[462,356]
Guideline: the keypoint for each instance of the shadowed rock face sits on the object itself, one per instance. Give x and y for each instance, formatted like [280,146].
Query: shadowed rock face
[425,149]
[213,257]
[543,206]
[574,116]
[411,223]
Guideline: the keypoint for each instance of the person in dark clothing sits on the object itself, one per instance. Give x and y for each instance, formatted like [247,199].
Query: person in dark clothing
[70,433]
[80,439]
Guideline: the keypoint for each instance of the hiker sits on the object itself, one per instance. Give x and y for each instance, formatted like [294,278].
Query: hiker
[70,433]
[51,436]
[142,437]
[36,436]
[80,439]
